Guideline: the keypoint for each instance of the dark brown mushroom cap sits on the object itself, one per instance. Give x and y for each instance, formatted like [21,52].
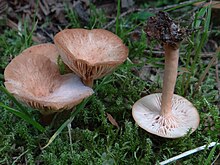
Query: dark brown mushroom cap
[90,53]
[146,113]
[33,77]
[164,29]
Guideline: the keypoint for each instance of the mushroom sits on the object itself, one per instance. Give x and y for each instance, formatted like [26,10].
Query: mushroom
[33,77]
[91,54]
[166,115]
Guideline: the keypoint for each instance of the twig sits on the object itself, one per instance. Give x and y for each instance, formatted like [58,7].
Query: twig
[212,144]
[19,157]
[149,9]
[217,76]
[201,79]
[70,137]
[44,7]
[14,26]
[176,5]
[193,10]
[213,163]
[45,32]
[78,7]
[203,55]
[122,15]
[154,51]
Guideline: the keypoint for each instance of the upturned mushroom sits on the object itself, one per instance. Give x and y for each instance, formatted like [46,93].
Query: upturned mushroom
[33,77]
[166,115]
[91,54]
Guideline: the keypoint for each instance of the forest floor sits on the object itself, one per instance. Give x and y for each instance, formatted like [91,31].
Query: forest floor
[102,129]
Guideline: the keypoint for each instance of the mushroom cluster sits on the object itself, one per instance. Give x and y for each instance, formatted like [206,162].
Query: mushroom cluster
[34,78]
[166,114]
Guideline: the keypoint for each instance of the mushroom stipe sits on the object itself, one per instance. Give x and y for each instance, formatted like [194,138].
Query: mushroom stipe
[166,115]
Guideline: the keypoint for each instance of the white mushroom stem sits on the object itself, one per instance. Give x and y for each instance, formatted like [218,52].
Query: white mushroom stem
[169,79]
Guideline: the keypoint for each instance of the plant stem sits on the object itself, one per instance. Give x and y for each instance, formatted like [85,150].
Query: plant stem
[117,17]
[169,79]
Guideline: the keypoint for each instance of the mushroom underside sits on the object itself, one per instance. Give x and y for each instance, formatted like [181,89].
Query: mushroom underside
[91,54]
[183,119]
[86,71]
[34,79]
[66,96]
[95,46]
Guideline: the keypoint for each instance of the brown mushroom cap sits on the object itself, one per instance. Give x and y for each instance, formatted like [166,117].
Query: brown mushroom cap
[91,54]
[33,77]
[146,113]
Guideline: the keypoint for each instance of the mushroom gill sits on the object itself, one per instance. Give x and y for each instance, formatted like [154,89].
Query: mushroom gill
[147,114]
[91,54]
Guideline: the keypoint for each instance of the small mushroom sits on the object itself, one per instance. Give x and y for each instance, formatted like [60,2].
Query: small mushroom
[33,77]
[166,115]
[91,54]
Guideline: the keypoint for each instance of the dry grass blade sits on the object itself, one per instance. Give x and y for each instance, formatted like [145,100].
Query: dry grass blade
[215,4]
[132,10]
[112,120]
[217,78]
[217,160]
[201,79]
[14,26]
[212,144]
[3,6]
[44,7]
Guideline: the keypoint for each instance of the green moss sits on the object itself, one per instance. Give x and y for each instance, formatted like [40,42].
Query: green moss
[94,139]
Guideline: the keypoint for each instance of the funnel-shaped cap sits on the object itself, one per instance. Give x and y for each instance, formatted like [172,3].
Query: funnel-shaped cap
[91,54]
[33,77]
